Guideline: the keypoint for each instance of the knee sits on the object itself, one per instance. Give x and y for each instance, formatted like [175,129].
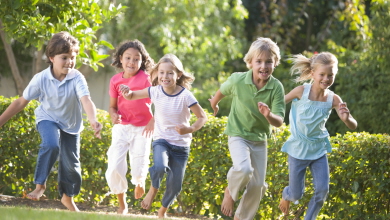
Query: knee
[245,171]
[159,169]
[51,147]
[322,193]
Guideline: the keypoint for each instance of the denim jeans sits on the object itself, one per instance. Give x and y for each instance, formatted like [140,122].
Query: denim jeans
[171,160]
[57,144]
[320,171]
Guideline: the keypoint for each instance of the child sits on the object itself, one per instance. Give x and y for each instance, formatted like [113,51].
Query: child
[258,103]
[308,144]
[61,91]
[172,136]
[132,121]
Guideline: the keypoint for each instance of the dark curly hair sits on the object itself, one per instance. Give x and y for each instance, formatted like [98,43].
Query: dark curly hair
[147,61]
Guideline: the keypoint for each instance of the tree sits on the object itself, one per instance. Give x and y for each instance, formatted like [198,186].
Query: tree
[34,21]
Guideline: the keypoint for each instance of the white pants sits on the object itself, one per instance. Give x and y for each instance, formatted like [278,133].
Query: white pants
[249,169]
[127,138]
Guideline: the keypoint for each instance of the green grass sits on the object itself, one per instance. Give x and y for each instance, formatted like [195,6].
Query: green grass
[26,213]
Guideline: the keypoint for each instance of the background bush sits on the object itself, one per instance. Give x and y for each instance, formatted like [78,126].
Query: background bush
[359,165]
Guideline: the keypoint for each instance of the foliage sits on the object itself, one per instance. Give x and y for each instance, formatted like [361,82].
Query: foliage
[34,22]
[359,166]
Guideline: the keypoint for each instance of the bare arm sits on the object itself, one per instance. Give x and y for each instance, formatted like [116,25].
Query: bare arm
[343,112]
[15,107]
[113,110]
[274,120]
[295,93]
[198,124]
[90,109]
[133,95]
[215,100]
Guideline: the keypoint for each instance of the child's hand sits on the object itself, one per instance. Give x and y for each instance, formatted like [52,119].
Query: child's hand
[149,128]
[116,118]
[343,111]
[97,127]
[263,109]
[182,129]
[214,106]
[125,90]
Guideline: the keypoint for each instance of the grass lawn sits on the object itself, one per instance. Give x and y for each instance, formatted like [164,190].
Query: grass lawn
[26,213]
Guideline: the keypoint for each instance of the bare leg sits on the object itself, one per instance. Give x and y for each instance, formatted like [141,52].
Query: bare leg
[148,200]
[37,193]
[162,212]
[69,203]
[284,206]
[139,191]
[227,204]
[236,218]
[123,209]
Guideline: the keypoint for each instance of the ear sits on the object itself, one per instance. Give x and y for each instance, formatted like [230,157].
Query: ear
[51,59]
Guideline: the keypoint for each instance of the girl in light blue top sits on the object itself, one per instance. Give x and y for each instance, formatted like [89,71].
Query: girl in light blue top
[309,141]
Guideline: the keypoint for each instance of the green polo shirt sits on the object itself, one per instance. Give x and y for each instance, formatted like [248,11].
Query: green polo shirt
[245,120]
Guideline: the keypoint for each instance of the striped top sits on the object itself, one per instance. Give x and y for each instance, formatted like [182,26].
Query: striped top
[171,110]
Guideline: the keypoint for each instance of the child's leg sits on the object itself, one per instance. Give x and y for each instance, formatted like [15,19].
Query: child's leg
[256,188]
[320,172]
[157,171]
[178,157]
[69,169]
[69,203]
[162,212]
[227,203]
[47,156]
[139,153]
[123,208]
[294,191]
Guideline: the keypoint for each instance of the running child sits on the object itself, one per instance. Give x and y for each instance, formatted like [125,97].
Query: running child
[309,141]
[172,135]
[133,123]
[62,92]
[258,103]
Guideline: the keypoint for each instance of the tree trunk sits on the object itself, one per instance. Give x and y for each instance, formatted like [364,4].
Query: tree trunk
[12,62]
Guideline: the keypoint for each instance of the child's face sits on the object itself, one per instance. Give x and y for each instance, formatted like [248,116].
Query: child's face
[131,61]
[63,63]
[323,76]
[263,66]
[167,75]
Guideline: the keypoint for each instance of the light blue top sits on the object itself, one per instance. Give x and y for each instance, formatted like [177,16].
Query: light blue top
[59,100]
[309,138]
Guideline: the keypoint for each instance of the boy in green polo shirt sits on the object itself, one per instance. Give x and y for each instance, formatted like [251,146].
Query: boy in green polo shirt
[258,103]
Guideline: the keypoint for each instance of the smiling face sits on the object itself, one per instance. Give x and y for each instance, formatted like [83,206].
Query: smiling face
[131,61]
[63,64]
[262,66]
[167,75]
[323,76]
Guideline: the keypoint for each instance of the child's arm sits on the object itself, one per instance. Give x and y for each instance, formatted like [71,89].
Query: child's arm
[113,110]
[149,128]
[202,118]
[15,107]
[343,112]
[132,95]
[274,120]
[295,93]
[215,100]
[90,109]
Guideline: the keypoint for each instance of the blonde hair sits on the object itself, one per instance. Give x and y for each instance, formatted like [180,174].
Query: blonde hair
[258,47]
[303,66]
[186,78]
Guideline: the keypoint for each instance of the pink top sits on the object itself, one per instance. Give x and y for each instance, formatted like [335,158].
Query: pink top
[135,112]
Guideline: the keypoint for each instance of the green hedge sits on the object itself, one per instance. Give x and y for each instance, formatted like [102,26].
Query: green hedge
[359,164]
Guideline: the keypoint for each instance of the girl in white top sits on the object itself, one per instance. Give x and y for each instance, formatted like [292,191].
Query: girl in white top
[172,135]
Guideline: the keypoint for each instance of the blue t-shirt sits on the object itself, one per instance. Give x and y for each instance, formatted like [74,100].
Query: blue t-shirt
[59,100]
[309,138]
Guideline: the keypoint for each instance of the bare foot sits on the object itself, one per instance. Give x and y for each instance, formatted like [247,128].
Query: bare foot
[139,191]
[162,212]
[69,203]
[284,206]
[37,193]
[123,208]
[227,203]
[148,200]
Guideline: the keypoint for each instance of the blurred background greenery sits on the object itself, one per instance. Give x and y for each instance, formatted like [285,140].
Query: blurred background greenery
[211,38]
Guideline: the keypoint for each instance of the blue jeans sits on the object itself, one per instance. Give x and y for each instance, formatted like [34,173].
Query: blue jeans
[320,171]
[57,144]
[171,160]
